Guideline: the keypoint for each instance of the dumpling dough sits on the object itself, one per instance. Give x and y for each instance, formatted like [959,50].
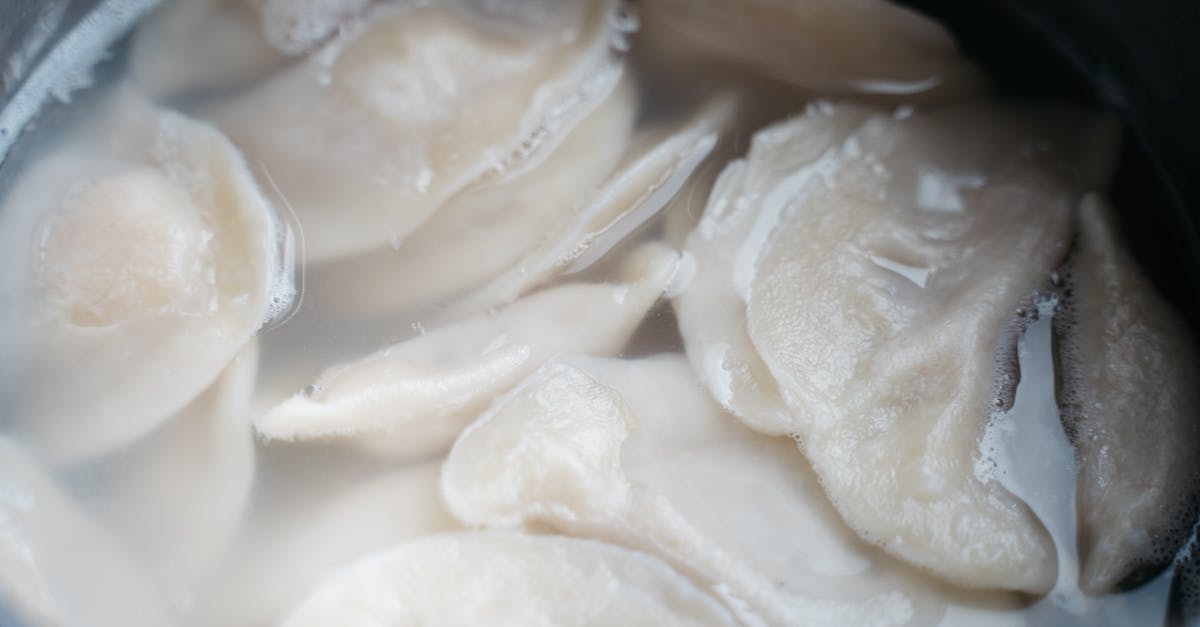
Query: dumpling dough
[415,397]
[413,106]
[827,46]
[617,463]
[192,46]
[56,566]
[476,578]
[652,171]
[289,545]
[636,452]
[179,494]
[875,264]
[154,261]
[485,230]
[187,47]
[1130,401]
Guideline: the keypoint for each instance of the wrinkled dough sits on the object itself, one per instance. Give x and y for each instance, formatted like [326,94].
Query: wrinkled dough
[483,231]
[156,262]
[473,578]
[636,453]
[413,398]
[285,550]
[178,495]
[411,108]
[869,47]
[881,281]
[1130,401]
[652,171]
[712,315]
[56,566]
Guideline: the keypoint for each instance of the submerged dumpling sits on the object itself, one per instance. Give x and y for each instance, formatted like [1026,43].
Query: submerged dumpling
[636,452]
[414,398]
[367,138]
[1130,401]
[485,230]
[652,171]
[288,545]
[155,262]
[178,495]
[190,46]
[56,566]
[827,46]
[475,578]
[870,269]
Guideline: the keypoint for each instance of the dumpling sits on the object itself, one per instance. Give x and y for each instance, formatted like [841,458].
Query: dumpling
[872,266]
[191,46]
[475,578]
[414,105]
[56,566]
[415,397]
[635,452]
[826,46]
[178,495]
[1130,401]
[483,231]
[654,169]
[144,258]
[290,544]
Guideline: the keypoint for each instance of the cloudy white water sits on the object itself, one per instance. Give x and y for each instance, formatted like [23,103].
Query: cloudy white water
[1030,455]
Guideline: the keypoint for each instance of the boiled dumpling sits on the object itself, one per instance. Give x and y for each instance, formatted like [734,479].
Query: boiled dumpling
[653,170]
[555,450]
[56,566]
[290,544]
[179,494]
[636,452]
[483,231]
[877,262]
[475,578]
[188,47]
[826,46]
[1130,402]
[414,398]
[413,106]
[155,262]
[191,46]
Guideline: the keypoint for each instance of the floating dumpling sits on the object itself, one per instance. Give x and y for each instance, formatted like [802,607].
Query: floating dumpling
[370,135]
[475,578]
[568,451]
[415,397]
[178,495]
[827,46]
[1130,401]
[635,452]
[483,231]
[56,566]
[153,261]
[190,46]
[290,545]
[654,169]
[871,267]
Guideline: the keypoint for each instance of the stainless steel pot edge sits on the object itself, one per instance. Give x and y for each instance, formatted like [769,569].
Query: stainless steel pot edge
[68,65]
